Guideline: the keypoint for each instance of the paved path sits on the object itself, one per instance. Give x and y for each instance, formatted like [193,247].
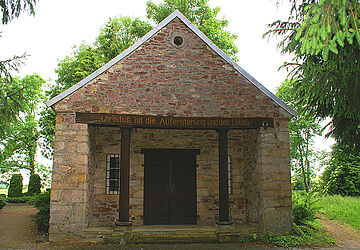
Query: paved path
[346,237]
[17,228]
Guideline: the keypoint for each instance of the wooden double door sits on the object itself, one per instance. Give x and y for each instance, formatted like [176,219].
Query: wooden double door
[169,186]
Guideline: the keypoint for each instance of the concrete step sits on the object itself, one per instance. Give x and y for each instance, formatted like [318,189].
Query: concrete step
[172,234]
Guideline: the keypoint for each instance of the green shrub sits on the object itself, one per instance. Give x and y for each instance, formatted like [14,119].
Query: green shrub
[42,202]
[23,199]
[297,183]
[310,234]
[2,201]
[342,174]
[34,184]
[303,207]
[16,186]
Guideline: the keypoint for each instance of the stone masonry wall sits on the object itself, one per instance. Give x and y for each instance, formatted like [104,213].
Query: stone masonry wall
[273,160]
[104,210]
[69,194]
[238,143]
[252,177]
[91,171]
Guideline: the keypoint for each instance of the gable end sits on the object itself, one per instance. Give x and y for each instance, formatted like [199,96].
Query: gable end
[151,33]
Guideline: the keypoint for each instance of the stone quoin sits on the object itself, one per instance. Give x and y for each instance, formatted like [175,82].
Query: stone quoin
[170,132]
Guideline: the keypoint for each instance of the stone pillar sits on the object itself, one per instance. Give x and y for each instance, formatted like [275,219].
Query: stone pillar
[273,160]
[69,178]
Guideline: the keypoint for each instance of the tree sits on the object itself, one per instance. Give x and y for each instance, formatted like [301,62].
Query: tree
[72,69]
[342,172]
[16,186]
[34,184]
[302,130]
[118,34]
[326,68]
[19,99]
[19,139]
[13,98]
[16,96]
[201,15]
[327,24]
[13,8]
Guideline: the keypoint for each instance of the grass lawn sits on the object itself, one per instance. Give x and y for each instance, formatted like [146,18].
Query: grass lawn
[3,191]
[345,209]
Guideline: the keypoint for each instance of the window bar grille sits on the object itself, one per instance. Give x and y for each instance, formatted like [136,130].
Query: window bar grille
[229,175]
[112,173]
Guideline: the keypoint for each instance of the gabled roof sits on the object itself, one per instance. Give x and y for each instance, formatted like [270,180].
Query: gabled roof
[175,14]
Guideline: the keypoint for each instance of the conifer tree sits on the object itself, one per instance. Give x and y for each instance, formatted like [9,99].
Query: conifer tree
[324,37]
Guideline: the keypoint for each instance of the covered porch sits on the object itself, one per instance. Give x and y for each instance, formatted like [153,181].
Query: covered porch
[212,176]
[255,192]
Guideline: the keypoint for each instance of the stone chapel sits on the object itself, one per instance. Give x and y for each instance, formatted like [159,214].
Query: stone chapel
[170,132]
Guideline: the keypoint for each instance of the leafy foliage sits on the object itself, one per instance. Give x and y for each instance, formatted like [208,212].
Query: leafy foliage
[201,15]
[297,183]
[34,184]
[14,95]
[17,95]
[42,202]
[2,201]
[18,103]
[326,68]
[47,130]
[304,208]
[302,130]
[9,65]
[19,135]
[72,69]
[327,24]
[309,234]
[118,34]
[16,185]
[13,8]
[342,174]
[23,199]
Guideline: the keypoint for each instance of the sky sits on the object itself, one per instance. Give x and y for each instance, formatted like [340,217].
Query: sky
[50,35]
[59,25]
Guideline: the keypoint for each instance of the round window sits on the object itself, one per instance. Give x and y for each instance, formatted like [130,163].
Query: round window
[178,40]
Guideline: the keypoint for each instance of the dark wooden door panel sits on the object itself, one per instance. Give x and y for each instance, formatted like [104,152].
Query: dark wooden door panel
[169,186]
[156,194]
[184,181]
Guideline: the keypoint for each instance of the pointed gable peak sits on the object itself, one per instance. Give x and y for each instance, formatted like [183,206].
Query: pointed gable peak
[162,24]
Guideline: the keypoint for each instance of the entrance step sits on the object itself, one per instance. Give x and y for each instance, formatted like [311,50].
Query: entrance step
[172,234]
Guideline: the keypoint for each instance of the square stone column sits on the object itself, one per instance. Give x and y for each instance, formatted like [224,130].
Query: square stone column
[69,193]
[273,163]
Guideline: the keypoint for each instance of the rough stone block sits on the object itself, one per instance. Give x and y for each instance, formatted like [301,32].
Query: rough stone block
[73,196]
[278,219]
[78,159]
